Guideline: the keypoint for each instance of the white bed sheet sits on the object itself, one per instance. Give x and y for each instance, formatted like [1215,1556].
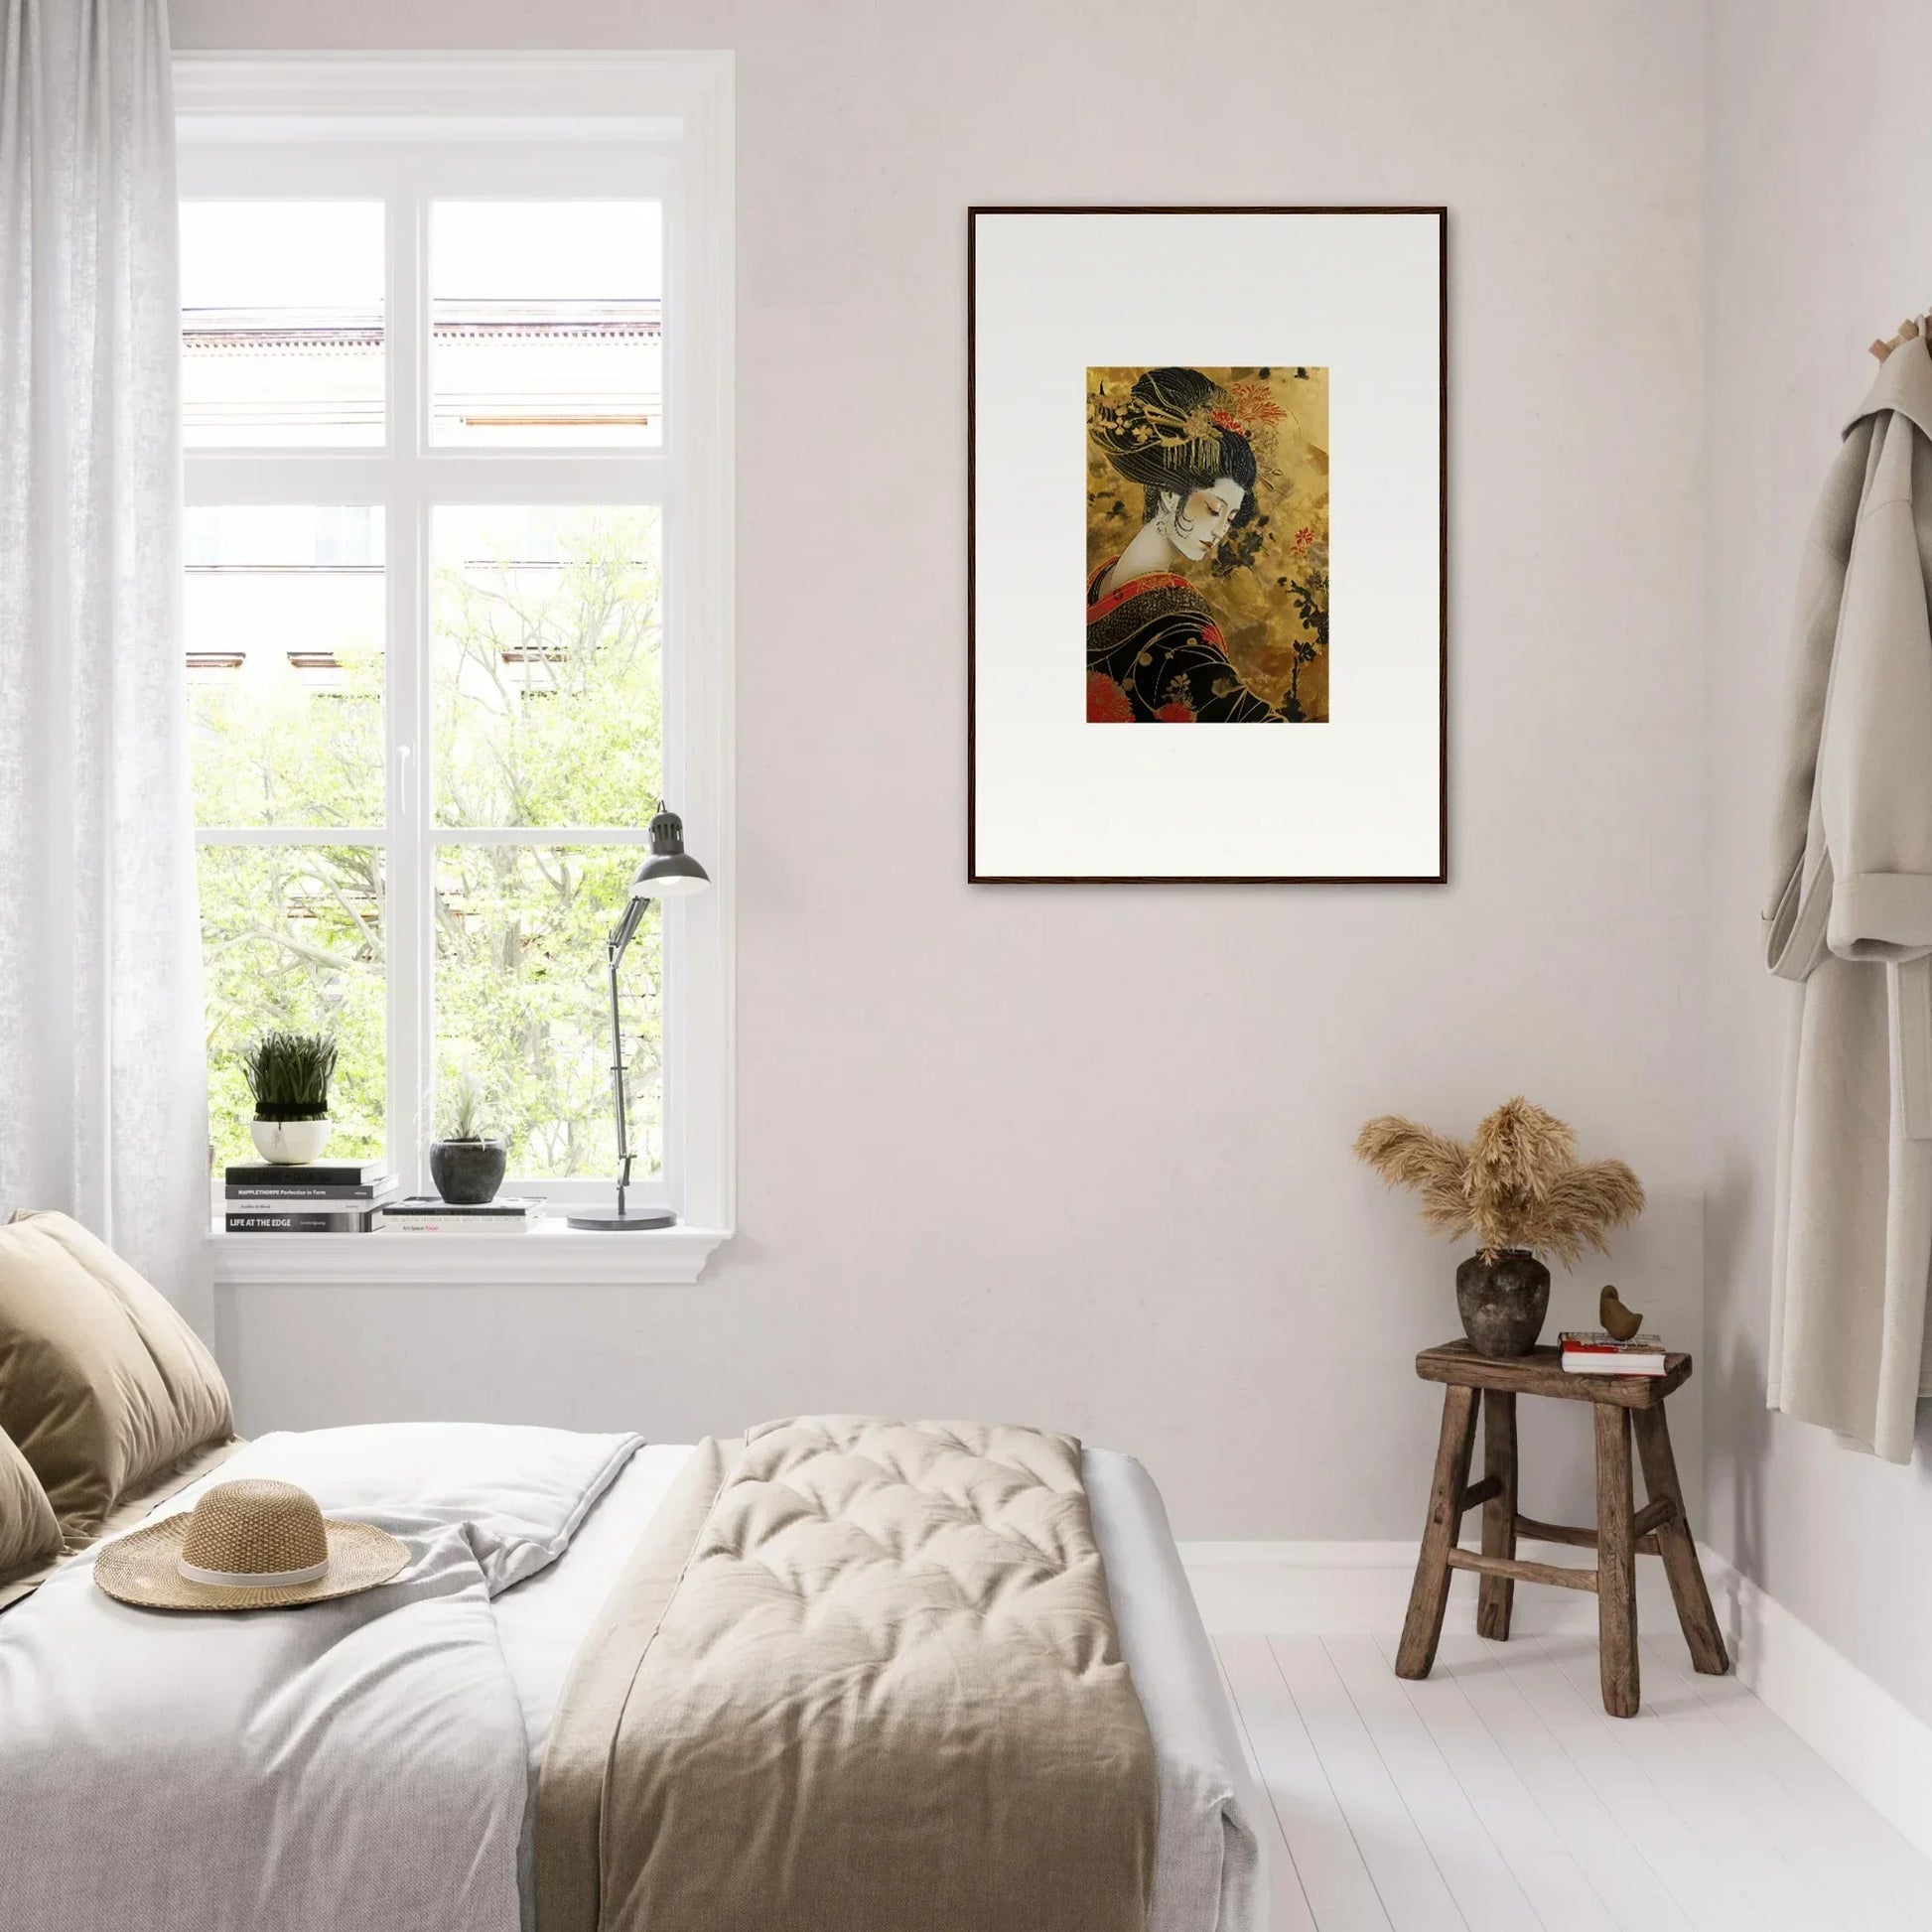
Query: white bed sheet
[1209,1870]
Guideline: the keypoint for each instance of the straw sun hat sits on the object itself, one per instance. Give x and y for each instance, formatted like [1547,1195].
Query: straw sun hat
[250,1545]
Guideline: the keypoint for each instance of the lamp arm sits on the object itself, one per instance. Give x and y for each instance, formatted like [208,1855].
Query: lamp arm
[626,926]
[614,949]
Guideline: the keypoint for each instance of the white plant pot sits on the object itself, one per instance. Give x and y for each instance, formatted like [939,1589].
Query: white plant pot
[290,1143]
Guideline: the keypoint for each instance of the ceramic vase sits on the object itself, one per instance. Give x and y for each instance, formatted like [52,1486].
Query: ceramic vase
[290,1143]
[1503,1300]
[467,1173]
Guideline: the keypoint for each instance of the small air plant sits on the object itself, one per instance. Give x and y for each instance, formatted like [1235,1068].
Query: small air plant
[289,1074]
[463,1115]
[1515,1184]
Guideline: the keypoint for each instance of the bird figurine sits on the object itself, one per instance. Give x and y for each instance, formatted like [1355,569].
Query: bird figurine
[1619,1321]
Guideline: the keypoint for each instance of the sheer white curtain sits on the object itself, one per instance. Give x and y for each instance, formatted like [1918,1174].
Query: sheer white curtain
[101,1072]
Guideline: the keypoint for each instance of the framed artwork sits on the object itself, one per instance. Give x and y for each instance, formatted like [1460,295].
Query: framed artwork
[1207,474]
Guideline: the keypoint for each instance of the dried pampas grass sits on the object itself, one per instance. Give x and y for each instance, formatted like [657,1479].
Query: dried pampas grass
[1515,1183]
[1434,1165]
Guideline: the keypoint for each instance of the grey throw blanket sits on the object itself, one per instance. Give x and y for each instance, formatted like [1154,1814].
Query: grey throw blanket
[348,1767]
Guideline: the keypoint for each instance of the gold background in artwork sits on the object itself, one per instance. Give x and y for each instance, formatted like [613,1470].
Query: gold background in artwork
[1260,621]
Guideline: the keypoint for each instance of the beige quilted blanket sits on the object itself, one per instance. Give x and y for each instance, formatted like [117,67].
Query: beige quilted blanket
[862,1675]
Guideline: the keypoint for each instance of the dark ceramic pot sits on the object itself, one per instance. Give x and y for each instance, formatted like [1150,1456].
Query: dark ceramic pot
[467,1173]
[1504,1302]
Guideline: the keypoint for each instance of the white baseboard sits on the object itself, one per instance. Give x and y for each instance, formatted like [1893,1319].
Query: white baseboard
[1879,1746]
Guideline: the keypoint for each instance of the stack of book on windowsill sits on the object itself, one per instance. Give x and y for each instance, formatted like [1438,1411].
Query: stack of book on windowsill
[320,1197]
[1594,1351]
[426,1215]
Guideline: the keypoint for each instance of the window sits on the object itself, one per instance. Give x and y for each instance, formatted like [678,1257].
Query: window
[456,594]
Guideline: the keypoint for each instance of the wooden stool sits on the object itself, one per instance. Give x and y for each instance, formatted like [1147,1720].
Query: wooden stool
[1659,1529]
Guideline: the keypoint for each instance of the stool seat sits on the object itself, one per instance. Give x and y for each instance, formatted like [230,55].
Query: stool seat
[1541,1372]
[1621,1405]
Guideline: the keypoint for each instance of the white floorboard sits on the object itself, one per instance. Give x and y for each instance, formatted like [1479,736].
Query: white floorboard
[1316,1842]
[1839,1886]
[1406,1877]
[1818,1805]
[1485,1890]
[1526,1834]
[1498,1796]
[1289,1910]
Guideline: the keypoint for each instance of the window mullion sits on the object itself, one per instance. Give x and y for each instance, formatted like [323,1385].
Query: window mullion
[292,835]
[542,834]
[410,911]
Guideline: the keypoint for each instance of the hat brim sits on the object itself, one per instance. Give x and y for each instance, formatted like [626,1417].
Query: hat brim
[143,1569]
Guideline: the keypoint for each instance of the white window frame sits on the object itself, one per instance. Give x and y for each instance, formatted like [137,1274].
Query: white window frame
[408,129]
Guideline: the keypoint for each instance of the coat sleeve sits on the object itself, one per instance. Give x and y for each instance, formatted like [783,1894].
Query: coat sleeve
[1799,894]
[1875,767]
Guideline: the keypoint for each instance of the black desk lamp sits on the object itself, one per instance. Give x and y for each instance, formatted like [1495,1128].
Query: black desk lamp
[669,873]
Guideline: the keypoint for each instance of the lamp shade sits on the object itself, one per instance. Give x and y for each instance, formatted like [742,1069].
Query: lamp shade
[669,871]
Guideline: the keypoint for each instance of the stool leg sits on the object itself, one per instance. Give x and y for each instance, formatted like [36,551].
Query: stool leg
[1678,1548]
[1421,1629]
[1616,1562]
[1496,1596]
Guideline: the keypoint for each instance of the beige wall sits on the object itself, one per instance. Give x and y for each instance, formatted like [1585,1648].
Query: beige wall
[1080,1156]
[1820,152]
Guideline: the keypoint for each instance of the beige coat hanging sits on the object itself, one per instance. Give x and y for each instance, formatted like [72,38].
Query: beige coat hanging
[1850,916]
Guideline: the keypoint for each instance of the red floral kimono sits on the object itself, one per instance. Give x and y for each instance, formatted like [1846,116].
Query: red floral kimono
[1154,657]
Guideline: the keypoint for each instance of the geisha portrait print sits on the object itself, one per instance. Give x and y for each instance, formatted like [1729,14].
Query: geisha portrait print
[1207,545]
[1206,488]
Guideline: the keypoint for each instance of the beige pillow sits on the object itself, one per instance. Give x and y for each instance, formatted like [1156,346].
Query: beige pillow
[102,1384]
[29,1535]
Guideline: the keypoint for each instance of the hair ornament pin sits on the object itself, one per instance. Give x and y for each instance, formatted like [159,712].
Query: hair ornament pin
[1144,422]
[1248,412]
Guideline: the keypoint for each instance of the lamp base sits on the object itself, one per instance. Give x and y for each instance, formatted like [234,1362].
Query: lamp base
[609,1221]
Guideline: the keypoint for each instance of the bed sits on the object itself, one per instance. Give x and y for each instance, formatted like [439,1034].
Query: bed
[502,1604]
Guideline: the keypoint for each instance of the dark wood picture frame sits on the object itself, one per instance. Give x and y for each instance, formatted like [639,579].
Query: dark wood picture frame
[973,875]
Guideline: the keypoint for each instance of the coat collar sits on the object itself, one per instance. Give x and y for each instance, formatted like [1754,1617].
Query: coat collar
[1903,385]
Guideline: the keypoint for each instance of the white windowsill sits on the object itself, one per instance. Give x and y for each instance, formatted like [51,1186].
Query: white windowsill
[550,1254]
